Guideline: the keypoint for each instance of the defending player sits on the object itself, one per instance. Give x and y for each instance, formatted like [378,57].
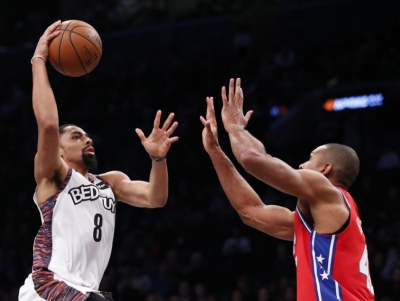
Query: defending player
[72,248]
[329,245]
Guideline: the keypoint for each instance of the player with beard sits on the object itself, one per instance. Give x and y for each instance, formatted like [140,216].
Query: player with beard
[73,245]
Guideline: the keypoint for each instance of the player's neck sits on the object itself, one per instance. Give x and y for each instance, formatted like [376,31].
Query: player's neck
[80,168]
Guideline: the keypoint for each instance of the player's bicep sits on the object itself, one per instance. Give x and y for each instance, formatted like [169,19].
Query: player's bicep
[47,159]
[273,220]
[134,193]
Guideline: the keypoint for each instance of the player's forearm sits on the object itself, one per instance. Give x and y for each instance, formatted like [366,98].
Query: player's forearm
[242,141]
[158,188]
[43,100]
[240,194]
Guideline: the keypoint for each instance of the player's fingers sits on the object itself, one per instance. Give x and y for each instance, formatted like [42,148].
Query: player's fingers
[231,91]
[53,35]
[238,92]
[157,120]
[168,121]
[248,115]
[52,27]
[140,133]
[173,139]
[172,128]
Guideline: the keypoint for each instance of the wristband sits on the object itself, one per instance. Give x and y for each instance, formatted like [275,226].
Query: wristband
[157,159]
[38,56]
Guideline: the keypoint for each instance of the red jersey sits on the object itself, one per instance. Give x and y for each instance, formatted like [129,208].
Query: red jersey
[332,267]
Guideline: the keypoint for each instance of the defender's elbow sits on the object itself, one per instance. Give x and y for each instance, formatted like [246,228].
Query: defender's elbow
[245,217]
[248,158]
[245,220]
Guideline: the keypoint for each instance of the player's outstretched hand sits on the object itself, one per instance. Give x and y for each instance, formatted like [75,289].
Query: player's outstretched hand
[210,133]
[158,142]
[232,109]
[42,48]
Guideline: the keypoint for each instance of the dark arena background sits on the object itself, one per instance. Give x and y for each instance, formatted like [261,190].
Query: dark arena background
[313,71]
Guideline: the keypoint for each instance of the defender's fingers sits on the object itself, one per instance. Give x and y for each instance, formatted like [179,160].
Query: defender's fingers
[223,96]
[157,120]
[203,121]
[140,133]
[172,128]
[212,111]
[168,121]
[211,100]
[210,108]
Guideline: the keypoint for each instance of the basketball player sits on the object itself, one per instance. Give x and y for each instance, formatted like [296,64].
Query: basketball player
[72,248]
[329,245]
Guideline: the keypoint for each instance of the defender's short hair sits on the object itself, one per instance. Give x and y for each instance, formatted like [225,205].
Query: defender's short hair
[345,163]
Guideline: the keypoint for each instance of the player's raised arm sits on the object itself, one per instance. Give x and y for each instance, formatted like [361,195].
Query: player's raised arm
[47,160]
[274,220]
[154,193]
[308,185]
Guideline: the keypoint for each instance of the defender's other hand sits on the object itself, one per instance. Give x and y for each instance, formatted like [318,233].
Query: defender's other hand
[210,133]
[232,109]
[158,142]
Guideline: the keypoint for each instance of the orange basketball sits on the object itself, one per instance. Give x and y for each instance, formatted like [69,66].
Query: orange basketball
[77,50]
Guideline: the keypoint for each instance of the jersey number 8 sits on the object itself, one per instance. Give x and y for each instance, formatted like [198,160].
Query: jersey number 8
[98,222]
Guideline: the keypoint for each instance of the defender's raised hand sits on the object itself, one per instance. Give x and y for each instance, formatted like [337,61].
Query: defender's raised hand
[232,110]
[210,133]
[158,142]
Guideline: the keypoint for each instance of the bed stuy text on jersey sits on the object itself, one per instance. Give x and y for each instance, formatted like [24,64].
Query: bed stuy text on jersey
[91,193]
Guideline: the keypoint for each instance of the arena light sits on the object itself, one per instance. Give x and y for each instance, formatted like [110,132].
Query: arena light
[354,102]
[278,110]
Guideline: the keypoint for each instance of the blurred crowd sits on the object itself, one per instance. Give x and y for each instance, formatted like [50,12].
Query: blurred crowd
[196,247]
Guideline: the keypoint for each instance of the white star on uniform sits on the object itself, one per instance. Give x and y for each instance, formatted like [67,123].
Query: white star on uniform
[324,275]
[320,258]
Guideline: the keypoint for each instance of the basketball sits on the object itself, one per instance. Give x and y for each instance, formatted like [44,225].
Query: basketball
[77,50]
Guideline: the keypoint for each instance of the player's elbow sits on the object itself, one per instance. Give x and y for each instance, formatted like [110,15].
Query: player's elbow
[159,202]
[48,124]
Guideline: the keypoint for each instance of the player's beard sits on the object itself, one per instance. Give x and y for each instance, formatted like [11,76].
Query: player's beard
[89,160]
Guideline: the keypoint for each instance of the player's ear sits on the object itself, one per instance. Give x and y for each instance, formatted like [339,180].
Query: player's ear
[326,169]
[61,151]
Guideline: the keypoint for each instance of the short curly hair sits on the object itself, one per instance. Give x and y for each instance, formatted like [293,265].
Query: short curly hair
[345,163]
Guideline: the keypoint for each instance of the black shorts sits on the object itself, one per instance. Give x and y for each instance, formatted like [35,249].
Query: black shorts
[96,297]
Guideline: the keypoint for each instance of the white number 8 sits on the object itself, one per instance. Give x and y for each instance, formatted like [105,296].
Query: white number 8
[364,269]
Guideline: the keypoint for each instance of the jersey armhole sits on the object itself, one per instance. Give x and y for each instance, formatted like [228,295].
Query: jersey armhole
[347,222]
[57,193]
[104,181]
